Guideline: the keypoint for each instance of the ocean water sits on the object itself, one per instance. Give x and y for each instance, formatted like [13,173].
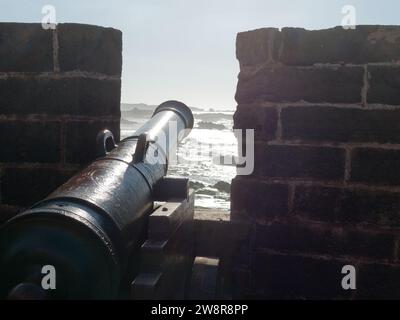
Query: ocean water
[198,154]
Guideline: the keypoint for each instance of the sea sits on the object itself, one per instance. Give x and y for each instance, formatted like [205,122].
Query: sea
[199,153]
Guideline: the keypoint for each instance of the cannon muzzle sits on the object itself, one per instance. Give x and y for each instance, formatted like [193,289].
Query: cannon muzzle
[89,230]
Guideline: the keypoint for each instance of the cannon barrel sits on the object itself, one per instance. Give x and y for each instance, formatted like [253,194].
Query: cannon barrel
[90,228]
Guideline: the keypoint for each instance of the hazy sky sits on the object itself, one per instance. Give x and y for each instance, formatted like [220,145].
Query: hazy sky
[185,49]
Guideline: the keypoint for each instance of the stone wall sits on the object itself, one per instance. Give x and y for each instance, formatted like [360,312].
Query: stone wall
[325,193]
[58,88]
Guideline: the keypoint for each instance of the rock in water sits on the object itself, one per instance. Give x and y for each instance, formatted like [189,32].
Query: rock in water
[210,125]
[196,184]
[208,191]
[222,186]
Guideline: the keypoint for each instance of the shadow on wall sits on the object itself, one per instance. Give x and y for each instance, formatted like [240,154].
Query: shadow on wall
[325,192]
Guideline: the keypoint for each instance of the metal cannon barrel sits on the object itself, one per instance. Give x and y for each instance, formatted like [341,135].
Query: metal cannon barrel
[90,228]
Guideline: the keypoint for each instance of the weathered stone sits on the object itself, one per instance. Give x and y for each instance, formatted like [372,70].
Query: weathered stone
[25,47]
[310,210]
[384,85]
[325,239]
[301,162]
[262,120]
[292,84]
[30,141]
[289,276]
[254,200]
[90,48]
[365,44]
[70,96]
[375,166]
[331,204]
[322,123]
[255,47]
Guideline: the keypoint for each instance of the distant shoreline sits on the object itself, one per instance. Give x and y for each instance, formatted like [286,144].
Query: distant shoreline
[151,107]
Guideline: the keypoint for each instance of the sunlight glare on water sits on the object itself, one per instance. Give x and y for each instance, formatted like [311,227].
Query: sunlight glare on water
[196,157]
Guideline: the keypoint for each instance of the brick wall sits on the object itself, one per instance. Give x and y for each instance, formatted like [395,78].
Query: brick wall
[58,88]
[325,192]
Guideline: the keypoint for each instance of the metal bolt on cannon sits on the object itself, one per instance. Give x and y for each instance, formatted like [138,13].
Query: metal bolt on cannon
[101,230]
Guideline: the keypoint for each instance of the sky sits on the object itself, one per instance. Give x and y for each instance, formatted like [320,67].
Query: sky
[185,49]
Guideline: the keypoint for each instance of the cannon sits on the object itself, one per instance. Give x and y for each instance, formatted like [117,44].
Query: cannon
[102,230]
